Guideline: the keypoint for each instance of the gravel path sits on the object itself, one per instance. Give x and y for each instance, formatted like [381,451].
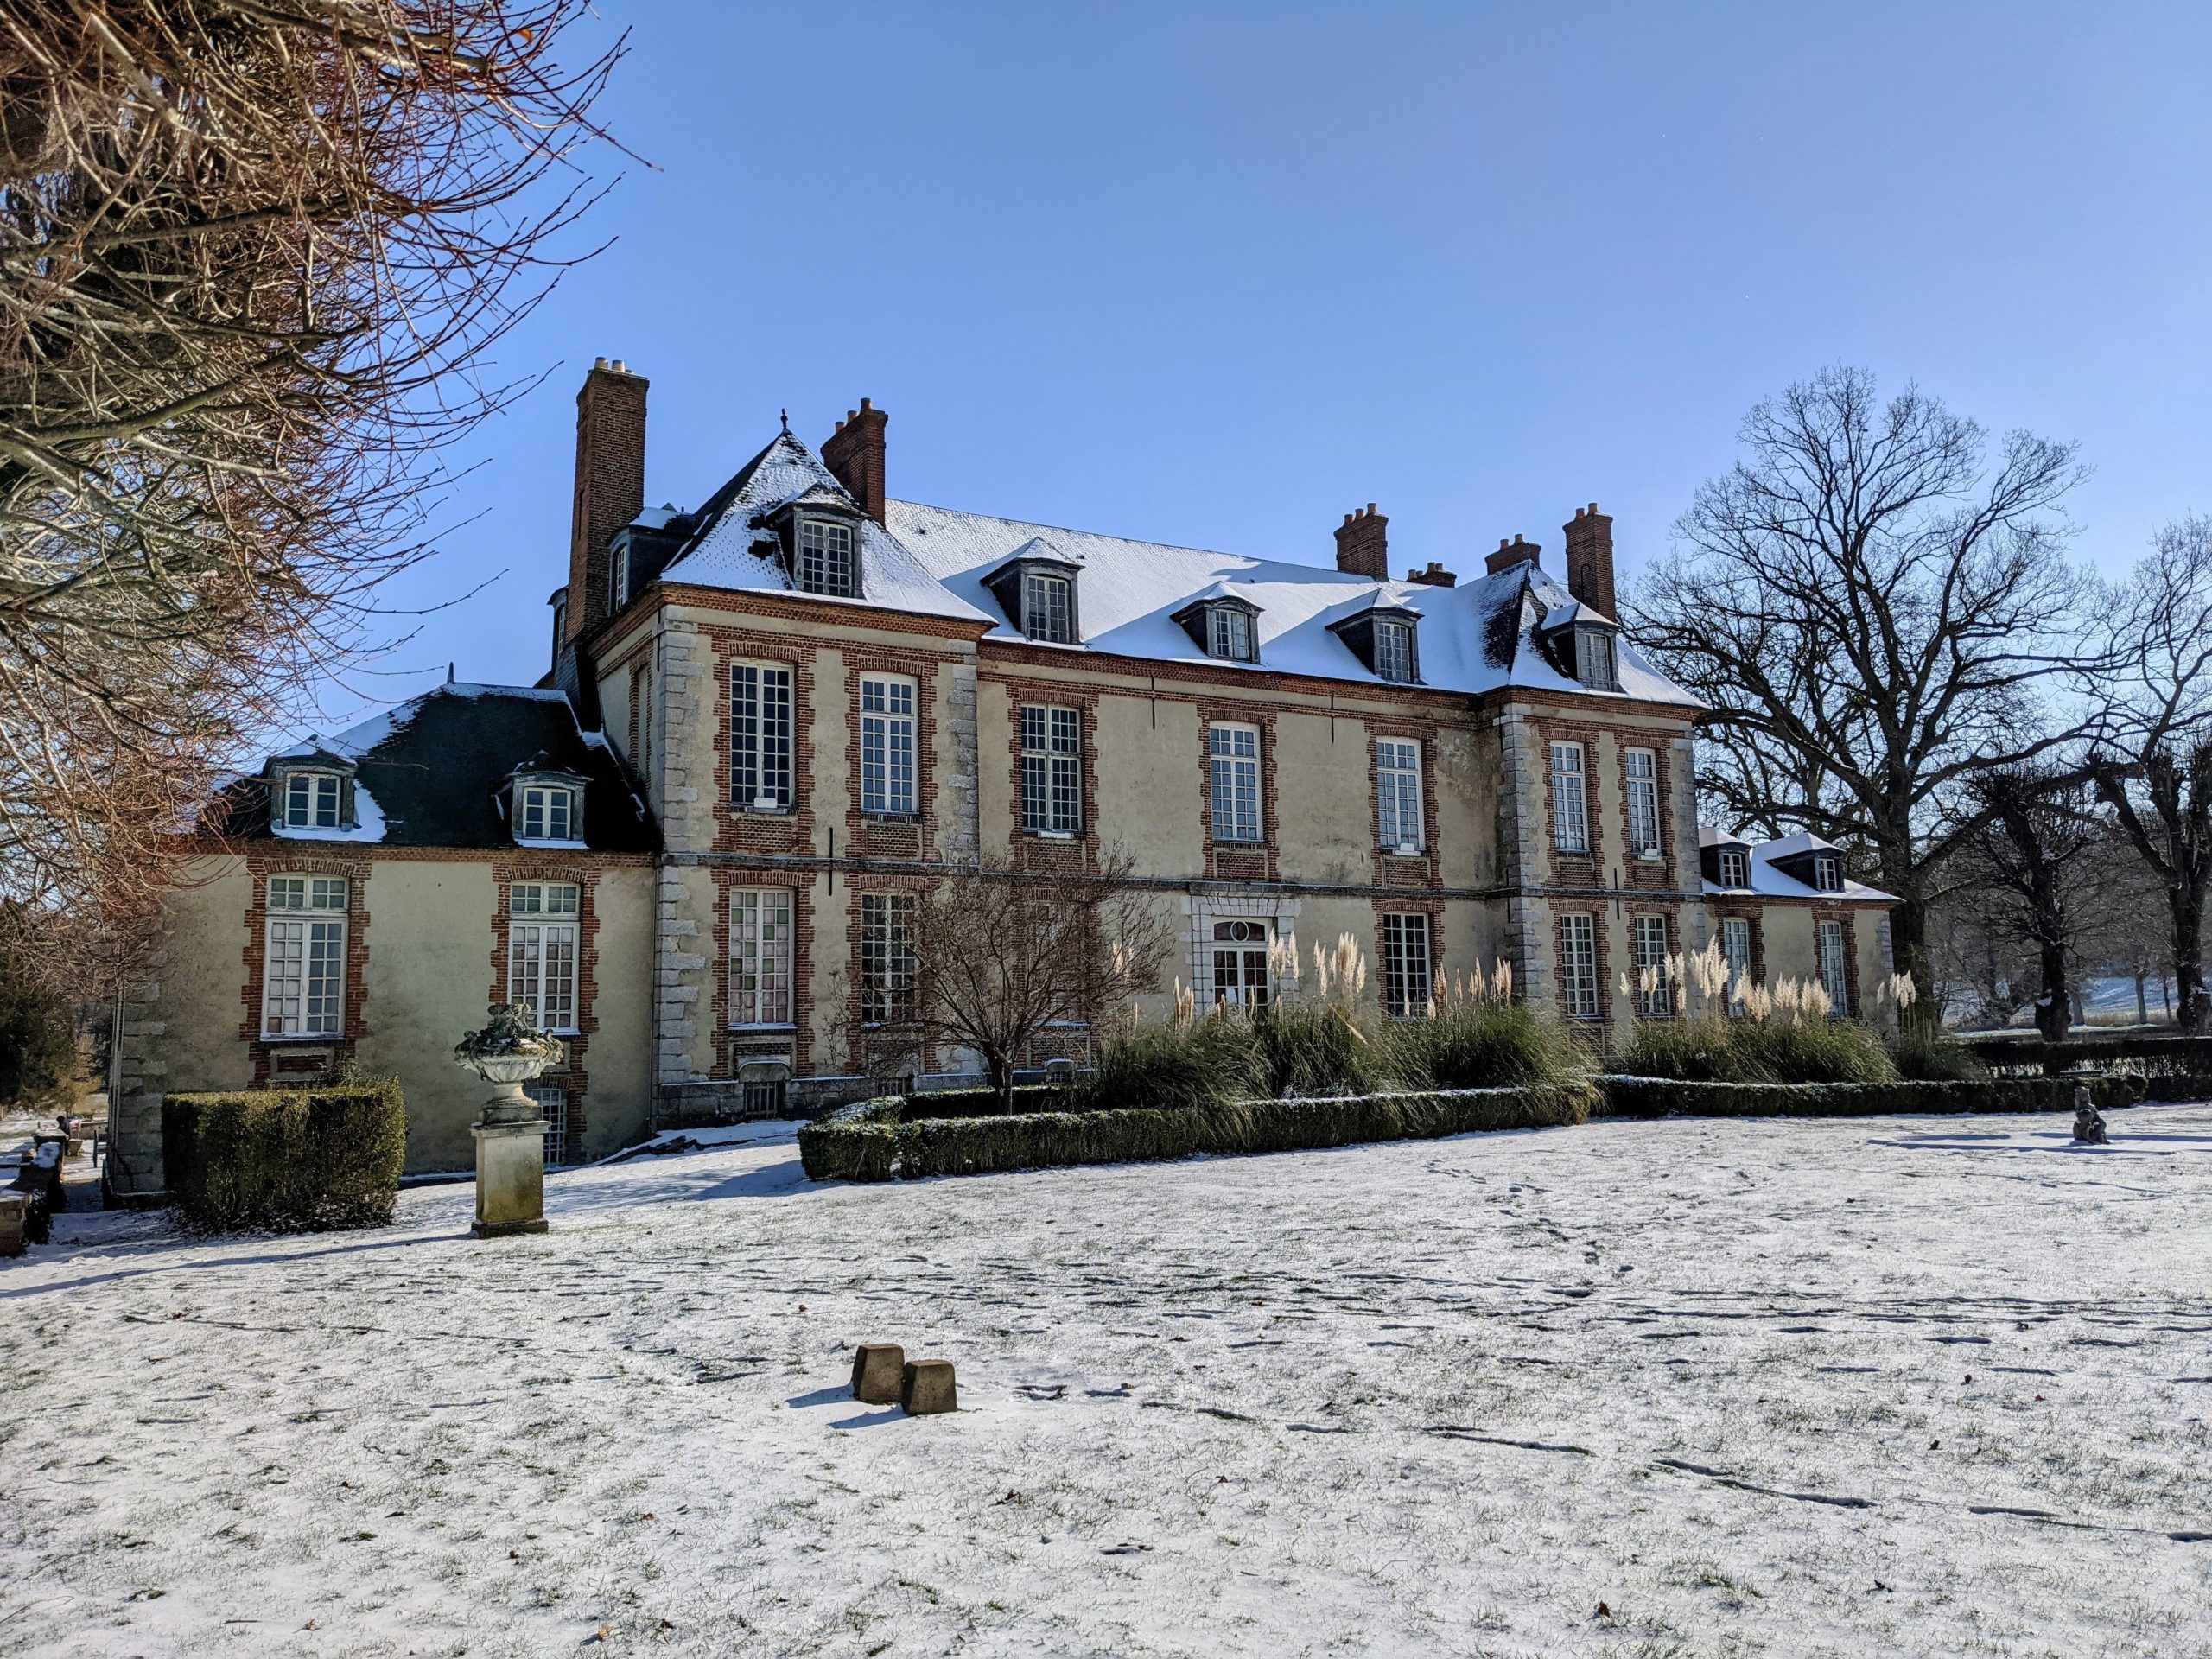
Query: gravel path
[1900,1385]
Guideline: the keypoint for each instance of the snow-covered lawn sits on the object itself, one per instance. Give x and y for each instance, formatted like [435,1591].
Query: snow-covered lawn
[1907,1386]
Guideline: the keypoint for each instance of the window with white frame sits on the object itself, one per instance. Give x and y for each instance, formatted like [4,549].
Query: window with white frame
[1234,754]
[1228,634]
[760,737]
[1397,792]
[1735,867]
[1242,977]
[1642,769]
[303,962]
[1736,950]
[1655,1001]
[1836,978]
[761,934]
[618,579]
[548,813]
[1578,967]
[1827,872]
[1593,657]
[887,961]
[554,1104]
[825,556]
[1052,770]
[1406,982]
[542,932]
[1570,800]
[1393,651]
[1048,608]
[313,800]
[886,746]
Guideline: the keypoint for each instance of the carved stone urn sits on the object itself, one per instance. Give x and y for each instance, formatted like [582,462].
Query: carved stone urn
[510,1133]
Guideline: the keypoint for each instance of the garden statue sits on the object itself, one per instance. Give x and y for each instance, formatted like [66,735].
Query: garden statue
[2088,1122]
[509,1052]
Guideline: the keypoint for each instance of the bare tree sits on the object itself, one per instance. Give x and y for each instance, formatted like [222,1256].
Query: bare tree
[1005,963]
[1873,605]
[2036,836]
[252,255]
[2155,770]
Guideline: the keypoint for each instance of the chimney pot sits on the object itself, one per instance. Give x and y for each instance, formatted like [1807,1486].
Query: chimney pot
[619,366]
[1363,545]
[853,455]
[1590,559]
[600,363]
[1519,550]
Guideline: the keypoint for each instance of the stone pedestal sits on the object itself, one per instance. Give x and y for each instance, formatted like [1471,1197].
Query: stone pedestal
[510,1166]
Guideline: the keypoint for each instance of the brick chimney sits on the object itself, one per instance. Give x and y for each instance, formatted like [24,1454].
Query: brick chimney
[1363,549]
[854,454]
[610,482]
[1435,576]
[1590,559]
[1511,553]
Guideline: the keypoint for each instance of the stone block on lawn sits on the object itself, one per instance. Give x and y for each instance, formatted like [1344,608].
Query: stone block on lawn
[879,1372]
[927,1388]
[14,1215]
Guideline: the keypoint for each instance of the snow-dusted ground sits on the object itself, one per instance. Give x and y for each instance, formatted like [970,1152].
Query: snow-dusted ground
[1906,1386]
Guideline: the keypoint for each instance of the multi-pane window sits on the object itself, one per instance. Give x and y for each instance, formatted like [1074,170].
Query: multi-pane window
[825,556]
[1570,800]
[761,934]
[1834,978]
[1052,770]
[1578,967]
[1406,981]
[760,737]
[1228,634]
[1241,974]
[1393,651]
[554,1103]
[1827,872]
[304,965]
[1643,768]
[1593,657]
[1234,753]
[1736,949]
[1397,792]
[541,925]
[618,580]
[1048,608]
[887,961]
[1735,867]
[887,745]
[311,800]
[549,812]
[1655,1000]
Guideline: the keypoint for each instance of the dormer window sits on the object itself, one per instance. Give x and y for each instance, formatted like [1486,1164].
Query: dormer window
[1827,872]
[1593,656]
[1385,639]
[1393,651]
[1036,589]
[313,800]
[549,811]
[1228,634]
[1048,608]
[825,558]
[1735,867]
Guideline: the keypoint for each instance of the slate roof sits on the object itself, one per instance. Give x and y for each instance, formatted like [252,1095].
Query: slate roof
[1769,881]
[433,771]
[1480,636]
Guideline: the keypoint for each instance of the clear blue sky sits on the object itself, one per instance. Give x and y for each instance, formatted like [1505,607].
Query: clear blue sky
[1217,274]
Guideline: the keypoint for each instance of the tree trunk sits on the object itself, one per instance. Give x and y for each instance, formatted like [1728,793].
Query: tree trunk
[2142,1003]
[999,1068]
[2187,902]
[1908,950]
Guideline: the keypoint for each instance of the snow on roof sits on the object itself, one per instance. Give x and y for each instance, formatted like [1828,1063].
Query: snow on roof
[1769,880]
[932,560]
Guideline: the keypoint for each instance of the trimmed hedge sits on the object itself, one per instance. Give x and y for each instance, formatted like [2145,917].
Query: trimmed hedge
[286,1159]
[2155,1053]
[877,1141]
[1660,1097]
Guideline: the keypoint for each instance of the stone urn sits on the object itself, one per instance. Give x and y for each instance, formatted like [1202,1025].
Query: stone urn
[510,1133]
